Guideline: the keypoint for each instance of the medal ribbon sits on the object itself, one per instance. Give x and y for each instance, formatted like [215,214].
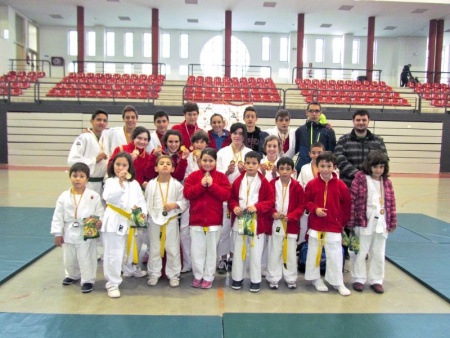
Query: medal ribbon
[164,199]
[75,202]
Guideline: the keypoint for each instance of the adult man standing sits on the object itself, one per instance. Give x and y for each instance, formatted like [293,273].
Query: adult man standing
[314,130]
[118,136]
[352,148]
[189,126]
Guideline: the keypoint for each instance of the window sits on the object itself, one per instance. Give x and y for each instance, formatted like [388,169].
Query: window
[127,68]
[73,67]
[184,46]
[337,50]
[110,68]
[265,50]
[110,44]
[73,43]
[305,54]
[355,52]
[283,73]
[375,47]
[90,67]
[284,48]
[90,44]
[320,43]
[445,58]
[165,46]
[147,68]
[183,70]
[128,45]
[147,45]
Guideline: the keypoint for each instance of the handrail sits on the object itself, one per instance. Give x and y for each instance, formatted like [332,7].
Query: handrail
[327,73]
[27,63]
[161,67]
[241,70]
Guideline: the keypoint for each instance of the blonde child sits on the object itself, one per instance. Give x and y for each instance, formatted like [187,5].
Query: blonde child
[122,193]
[206,189]
[219,137]
[373,217]
[73,205]
[165,201]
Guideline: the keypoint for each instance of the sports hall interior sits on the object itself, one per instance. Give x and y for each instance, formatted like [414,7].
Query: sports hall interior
[279,54]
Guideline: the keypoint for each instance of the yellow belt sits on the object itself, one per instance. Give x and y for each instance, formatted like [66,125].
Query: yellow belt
[321,240]
[131,240]
[285,241]
[162,236]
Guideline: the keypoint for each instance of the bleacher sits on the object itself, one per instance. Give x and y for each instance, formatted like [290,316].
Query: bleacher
[437,93]
[14,83]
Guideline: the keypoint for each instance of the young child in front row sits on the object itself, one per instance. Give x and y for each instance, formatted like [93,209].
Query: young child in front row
[165,201]
[80,256]
[206,189]
[122,193]
[289,206]
[250,203]
[373,217]
[328,202]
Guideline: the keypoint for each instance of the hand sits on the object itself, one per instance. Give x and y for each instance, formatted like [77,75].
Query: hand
[185,154]
[251,208]
[321,212]
[209,181]
[158,151]
[144,185]
[274,172]
[329,126]
[204,181]
[144,216]
[134,156]
[121,176]
[237,211]
[59,240]
[231,169]
[263,169]
[98,225]
[276,215]
[170,206]
[100,157]
[241,167]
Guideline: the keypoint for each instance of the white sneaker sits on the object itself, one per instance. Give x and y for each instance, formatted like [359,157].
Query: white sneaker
[320,285]
[343,290]
[138,273]
[273,285]
[174,282]
[152,281]
[115,293]
[291,285]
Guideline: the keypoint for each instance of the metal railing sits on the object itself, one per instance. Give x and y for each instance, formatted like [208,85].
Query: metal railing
[235,70]
[31,65]
[424,77]
[121,67]
[322,73]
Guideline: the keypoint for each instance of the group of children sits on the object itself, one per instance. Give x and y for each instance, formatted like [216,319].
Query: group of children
[235,205]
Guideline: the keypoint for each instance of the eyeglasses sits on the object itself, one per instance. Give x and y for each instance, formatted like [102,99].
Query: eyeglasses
[314,111]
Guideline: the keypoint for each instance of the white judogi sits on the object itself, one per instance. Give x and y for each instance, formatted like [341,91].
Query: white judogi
[291,151]
[80,256]
[154,142]
[125,198]
[248,195]
[116,137]
[224,157]
[157,220]
[85,149]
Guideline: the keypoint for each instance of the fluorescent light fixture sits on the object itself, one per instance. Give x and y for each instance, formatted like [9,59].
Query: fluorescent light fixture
[56,16]
[269,4]
[260,23]
[192,20]
[124,18]
[326,25]
[346,8]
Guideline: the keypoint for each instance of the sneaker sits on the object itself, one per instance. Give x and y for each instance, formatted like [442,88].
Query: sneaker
[222,267]
[230,264]
[138,273]
[174,282]
[343,290]
[255,287]
[291,285]
[196,283]
[186,269]
[358,287]
[237,285]
[152,281]
[320,285]
[273,285]
[87,287]
[378,288]
[206,284]
[68,281]
[114,293]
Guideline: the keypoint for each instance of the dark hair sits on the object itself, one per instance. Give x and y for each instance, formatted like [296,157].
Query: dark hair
[373,158]
[239,125]
[314,103]
[79,166]
[271,138]
[285,160]
[160,113]
[139,130]
[200,135]
[361,112]
[213,116]
[98,112]
[317,145]
[209,151]
[124,154]
[282,113]
[172,132]
[253,154]
[161,157]
[326,156]
[190,106]
[129,108]
[250,108]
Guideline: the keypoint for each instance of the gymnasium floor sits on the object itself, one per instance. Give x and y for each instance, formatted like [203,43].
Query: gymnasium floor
[38,288]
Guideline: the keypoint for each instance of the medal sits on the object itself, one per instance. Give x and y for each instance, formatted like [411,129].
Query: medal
[182,148]
[240,163]
[232,162]
[191,148]
[135,152]
[207,174]
[76,224]
[128,176]
[382,211]
[164,213]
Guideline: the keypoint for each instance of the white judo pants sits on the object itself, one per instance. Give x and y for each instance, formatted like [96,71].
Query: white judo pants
[225,246]
[204,254]
[276,269]
[254,253]
[80,260]
[185,239]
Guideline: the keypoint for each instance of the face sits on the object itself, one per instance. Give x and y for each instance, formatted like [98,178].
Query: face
[237,138]
[325,169]
[173,143]
[130,119]
[120,165]
[360,123]
[217,124]
[314,152]
[191,117]
[251,166]
[208,162]
[99,123]
[272,148]
[250,119]
[164,166]
[285,171]
[283,124]
[200,144]
[78,179]
[377,171]
[313,113]
[161,124]
[141,141]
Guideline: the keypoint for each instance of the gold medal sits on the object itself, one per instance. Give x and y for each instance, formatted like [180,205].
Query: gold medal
[135,152]
[382,211]
[232,162]
[183,148]
[207,174]
[240,163]
[191,148]
[197,152]
[128,176]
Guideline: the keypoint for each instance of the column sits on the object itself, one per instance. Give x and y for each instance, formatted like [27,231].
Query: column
[370,41]
[227,49]
[431,50]
[300,39]
[80,33]
[155,40]
[439,46]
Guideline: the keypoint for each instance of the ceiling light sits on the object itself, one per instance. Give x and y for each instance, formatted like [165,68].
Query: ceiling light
[389,28]
[124,18]
[419,10]
[191,2]
[346,8]
[326,25]
[192,20]
[56,16]
[260,23]
[269,4]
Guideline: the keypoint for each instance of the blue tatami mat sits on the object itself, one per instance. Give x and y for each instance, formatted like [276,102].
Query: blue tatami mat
[25,236]
[16,325]
[421,247]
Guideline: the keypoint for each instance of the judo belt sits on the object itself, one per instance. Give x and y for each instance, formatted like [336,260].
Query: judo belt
[95,179]
[253,230]
[162,236]
[131,241]
[285,241]
[321,240]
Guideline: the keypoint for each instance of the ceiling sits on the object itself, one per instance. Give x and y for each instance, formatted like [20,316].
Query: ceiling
[399,15]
